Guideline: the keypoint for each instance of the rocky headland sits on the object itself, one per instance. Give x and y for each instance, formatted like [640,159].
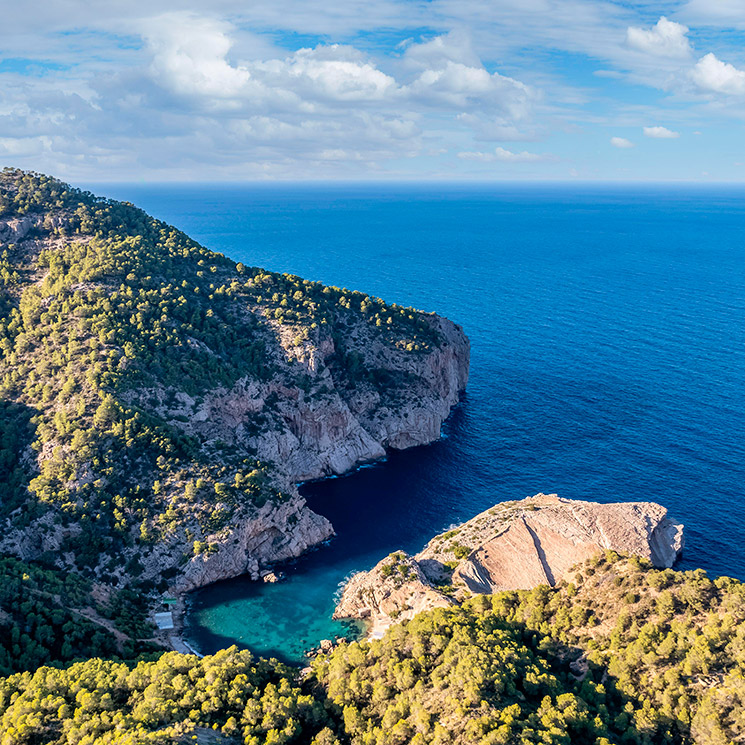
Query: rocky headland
[161,401]
[511,546]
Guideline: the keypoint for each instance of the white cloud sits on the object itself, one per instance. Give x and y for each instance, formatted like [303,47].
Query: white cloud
[506,156]
[660,133]
[711,74]
[454,46]
[621,142]
[450,74]
[333,72]
[189,56]
[665,39]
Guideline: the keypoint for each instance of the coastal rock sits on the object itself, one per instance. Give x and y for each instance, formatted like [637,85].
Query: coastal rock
[257,541]
[512,546]
[396,589]
[316,435]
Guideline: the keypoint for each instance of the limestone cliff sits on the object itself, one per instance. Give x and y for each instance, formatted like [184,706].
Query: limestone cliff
[332,428]
[513,545]
[396,588]
[159,402]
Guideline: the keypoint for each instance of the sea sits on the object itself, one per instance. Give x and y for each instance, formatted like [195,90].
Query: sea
[607,325]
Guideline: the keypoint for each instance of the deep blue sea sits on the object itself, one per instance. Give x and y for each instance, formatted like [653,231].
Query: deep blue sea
[608,362]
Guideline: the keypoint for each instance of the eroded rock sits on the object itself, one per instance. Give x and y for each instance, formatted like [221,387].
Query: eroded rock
[512,546]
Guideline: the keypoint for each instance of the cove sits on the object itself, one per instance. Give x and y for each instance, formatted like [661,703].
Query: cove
[608,362]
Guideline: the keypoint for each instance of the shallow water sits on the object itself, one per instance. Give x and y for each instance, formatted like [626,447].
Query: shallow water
[608,362]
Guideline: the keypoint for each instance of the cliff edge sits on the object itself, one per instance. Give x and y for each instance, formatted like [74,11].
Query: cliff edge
[512,546]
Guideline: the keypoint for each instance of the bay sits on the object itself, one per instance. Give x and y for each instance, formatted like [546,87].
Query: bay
[608,362]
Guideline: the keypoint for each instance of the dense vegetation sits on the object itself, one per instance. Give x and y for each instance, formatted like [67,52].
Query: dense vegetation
[620,654]
[673,642]
[113,327]
[47,616]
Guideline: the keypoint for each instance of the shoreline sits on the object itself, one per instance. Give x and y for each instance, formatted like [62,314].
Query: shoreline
[175,638]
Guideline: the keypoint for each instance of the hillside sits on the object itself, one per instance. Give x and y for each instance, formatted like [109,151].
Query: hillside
[618,653]
[160,401]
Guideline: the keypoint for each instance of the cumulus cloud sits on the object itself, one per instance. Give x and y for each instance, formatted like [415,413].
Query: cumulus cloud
[332,72]
[506,156]
[660,133]
[455,46]
[189,55]
[450,74]
[711,74]
[190,58]
[664,39]
[621,142]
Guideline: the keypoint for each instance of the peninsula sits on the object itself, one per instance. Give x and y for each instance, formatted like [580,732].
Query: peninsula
[161,401]
[516,545]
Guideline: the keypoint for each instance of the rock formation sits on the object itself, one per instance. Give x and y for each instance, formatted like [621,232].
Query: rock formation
[396,588]
[512,546]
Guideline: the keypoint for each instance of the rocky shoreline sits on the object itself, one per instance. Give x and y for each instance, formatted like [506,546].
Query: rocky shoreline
[513,545]
[317,440]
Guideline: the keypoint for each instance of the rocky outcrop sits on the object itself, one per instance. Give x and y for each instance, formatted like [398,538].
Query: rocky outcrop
[257,541]
[517,545]
[15,229]
[313,434]
[395,589]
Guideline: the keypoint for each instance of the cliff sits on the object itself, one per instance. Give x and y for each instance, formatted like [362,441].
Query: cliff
[161,401]
[512,546]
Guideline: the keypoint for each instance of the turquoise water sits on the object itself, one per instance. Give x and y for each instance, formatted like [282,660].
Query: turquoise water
[608,362]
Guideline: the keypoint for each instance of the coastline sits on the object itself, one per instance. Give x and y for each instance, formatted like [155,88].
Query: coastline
[176,640]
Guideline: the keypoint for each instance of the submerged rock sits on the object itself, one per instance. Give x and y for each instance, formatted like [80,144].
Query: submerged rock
[512,546]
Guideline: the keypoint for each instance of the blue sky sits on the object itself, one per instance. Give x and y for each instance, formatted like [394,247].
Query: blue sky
[395,89]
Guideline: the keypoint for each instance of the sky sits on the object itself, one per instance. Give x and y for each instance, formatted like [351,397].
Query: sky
[246,90]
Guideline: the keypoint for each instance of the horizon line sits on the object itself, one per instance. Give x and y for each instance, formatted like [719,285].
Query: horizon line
[428,182]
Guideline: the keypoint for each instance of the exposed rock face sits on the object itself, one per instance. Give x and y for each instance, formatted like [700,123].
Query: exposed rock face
[395,589]
[545,535]
[316,435]
[260,539]
[518,545]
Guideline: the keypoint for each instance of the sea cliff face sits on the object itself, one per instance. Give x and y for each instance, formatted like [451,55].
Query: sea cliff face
[333,428]
[313,438]
[161,401]
[513,545]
